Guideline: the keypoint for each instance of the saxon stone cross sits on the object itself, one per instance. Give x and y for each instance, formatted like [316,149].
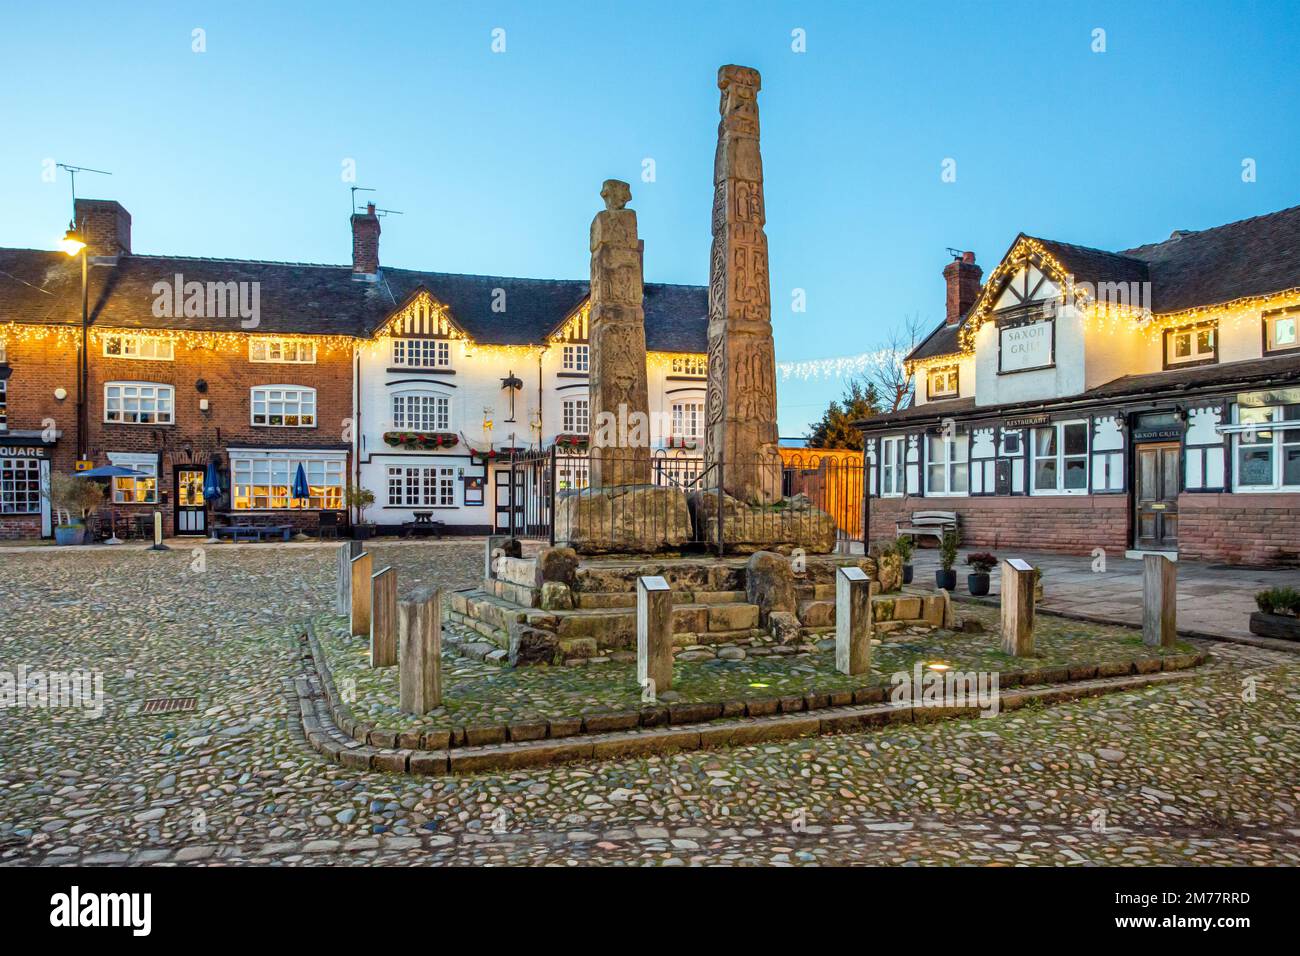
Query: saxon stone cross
[621,455]
[741,396]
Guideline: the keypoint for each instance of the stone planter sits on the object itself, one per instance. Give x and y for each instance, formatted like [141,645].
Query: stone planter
[947,580]
[978,583]
[1283,626]
[70,534]
[363,532]
[907,574]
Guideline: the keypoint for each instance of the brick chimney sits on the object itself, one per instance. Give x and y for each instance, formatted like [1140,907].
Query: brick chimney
[365,242]
[962,276]
[105,226]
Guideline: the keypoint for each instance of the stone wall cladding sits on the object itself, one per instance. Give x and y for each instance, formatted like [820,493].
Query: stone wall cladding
[1240,528]
[1072,524]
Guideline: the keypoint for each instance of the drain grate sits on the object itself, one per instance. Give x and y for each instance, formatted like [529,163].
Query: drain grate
[169,705]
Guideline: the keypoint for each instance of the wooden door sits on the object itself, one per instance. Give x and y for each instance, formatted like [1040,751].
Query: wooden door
[1156,496]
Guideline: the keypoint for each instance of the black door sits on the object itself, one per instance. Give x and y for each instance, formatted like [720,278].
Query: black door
[501,479]
[1156,497]
[191,513]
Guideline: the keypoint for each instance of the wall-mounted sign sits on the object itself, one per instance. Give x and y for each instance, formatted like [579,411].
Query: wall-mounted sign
[1025,347]
[1026,421]
[24,451]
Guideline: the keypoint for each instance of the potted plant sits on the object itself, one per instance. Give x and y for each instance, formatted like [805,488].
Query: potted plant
[946,577]
[72,499]
[981,563]
[1278,614]
[903,547]
[358,499]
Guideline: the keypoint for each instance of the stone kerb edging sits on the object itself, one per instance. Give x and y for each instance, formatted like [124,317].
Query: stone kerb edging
[333,730]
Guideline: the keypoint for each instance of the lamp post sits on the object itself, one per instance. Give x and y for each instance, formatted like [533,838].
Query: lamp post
[74,245]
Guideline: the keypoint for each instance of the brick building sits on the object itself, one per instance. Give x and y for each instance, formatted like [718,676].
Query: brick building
[262,367]
[1144,400]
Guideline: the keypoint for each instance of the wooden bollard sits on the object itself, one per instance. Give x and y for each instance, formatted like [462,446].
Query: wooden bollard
[383,618]
[654,636]
[343,591]
[419,674]
[1017,608]
[1159,601]
[359,590]
[853,623]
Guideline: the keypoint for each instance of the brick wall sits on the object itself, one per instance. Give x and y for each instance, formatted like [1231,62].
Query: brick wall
[1240,528]
[1068,524]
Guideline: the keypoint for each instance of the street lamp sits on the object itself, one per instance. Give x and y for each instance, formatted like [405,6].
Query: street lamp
[73,244]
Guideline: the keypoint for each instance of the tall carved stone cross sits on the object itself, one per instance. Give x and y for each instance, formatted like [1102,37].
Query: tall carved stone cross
[741,430]
[620,425]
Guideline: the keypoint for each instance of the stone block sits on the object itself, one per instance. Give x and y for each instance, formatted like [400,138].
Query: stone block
[629,518]
[817,613]
[559,565]
[907,608]
[732,617]
[556,596]
[769,583]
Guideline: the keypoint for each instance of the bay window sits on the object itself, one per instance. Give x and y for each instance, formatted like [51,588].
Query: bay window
[139,403]
[947,465]
[1267,454]
[264,479]
[421,412]
[1059,459]
[284,406]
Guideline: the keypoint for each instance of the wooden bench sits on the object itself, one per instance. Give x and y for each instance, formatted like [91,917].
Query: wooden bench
[933,523]
[254,532]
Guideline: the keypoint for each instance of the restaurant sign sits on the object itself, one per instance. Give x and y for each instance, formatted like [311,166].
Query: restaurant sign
[1025,347]
[1026,420]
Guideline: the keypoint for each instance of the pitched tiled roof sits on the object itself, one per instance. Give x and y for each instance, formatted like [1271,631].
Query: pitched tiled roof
[38,286]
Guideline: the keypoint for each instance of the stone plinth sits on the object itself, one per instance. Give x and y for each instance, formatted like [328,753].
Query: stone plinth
[1017,608]
[420,652]
[853,620]
[630,519]
[790,523]
[654,636]
[1159,601]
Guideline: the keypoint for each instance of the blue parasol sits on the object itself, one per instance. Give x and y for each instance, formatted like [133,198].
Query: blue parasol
[111,471]
[211,481]
[300,489]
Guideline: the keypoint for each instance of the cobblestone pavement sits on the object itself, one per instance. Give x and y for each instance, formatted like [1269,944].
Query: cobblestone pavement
[1191,773]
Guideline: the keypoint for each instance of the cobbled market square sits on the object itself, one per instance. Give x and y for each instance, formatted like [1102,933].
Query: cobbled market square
[443,442]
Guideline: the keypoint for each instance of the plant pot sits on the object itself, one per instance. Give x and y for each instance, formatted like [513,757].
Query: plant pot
[363,532]
[907,574]
[70,534]
[947,580]
[1275,625]
[978,583]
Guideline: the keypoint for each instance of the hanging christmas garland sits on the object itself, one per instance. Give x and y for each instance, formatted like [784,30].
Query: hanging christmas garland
[421,441]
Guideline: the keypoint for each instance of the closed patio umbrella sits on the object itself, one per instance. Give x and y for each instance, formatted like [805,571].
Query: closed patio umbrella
[211,492]
[300,489]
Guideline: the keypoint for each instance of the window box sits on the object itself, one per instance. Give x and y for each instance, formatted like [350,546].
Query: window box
[421,441]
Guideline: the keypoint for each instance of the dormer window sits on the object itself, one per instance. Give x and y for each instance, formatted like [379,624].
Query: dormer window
[1281,331]
[422,353]
[1193,346]
[576,357]
[941,382]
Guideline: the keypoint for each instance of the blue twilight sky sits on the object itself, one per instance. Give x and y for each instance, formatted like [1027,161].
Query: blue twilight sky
[496,159]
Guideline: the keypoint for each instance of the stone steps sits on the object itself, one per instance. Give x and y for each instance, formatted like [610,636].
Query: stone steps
[627,599]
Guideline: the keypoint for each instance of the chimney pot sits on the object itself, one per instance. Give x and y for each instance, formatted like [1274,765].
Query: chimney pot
[962,277]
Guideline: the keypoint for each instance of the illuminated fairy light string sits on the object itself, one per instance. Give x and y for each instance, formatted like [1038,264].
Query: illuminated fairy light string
[845,366]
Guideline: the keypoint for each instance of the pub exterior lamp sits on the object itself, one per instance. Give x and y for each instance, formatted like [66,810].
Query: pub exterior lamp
[72,243]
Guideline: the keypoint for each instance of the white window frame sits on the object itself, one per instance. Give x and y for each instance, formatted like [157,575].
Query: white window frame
[272,473]
[277,350]
[421,486]
[1279,441]
[1290,316]
[20,486]
[951,464]
[121,394]
[949,372]
[127,491]
[421,352]
[893,473]
[134,345]
[576,357]
[301,397]
[1061,458]
[1193,336]
[696,366]
[575,416]
[418,411]
[688,420]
